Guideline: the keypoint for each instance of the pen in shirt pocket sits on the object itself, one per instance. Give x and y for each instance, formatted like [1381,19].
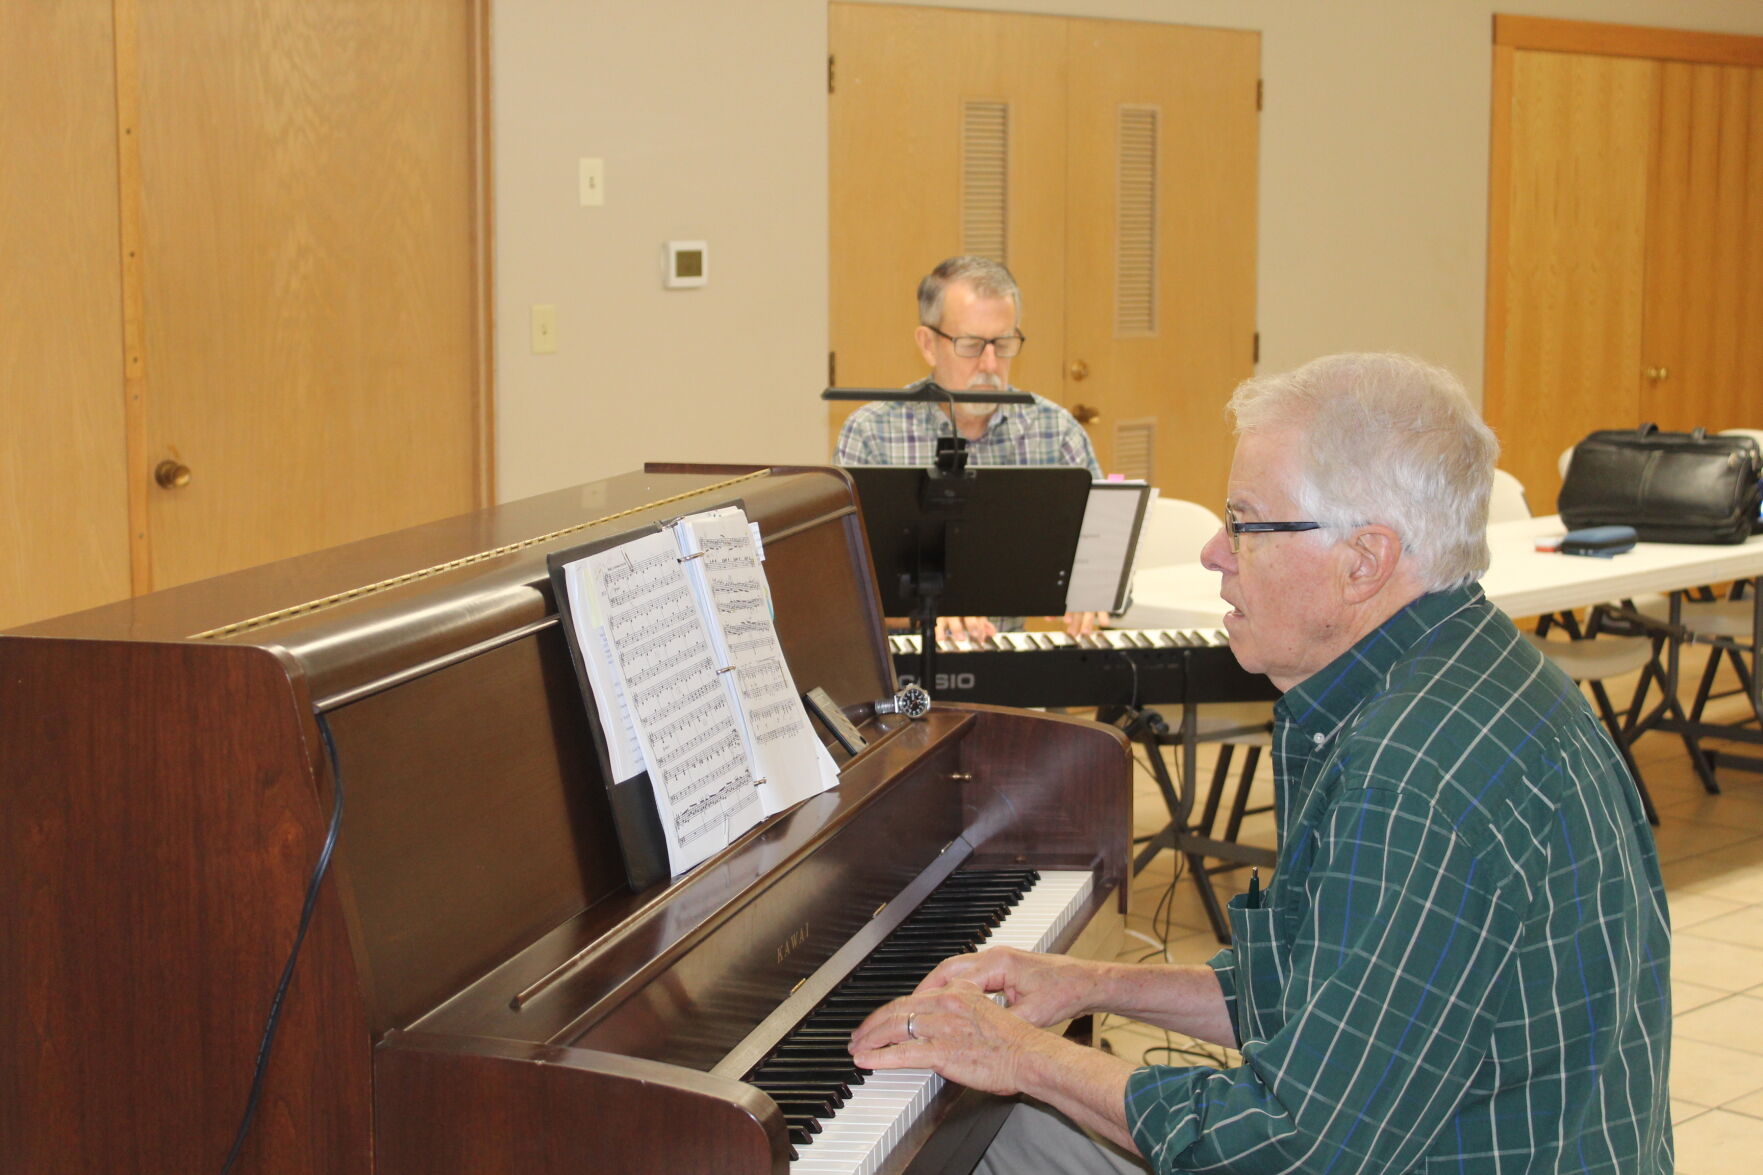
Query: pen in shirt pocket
[1253,901]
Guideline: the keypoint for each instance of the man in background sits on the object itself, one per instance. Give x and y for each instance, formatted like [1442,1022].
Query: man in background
[970,328]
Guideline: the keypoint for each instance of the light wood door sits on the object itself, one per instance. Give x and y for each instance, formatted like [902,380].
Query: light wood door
[1625,275]
[310,287]
[957,132]
[1565,315]
[64,528]
[247,238]
[943,125]
[1160,253]
[1702,356]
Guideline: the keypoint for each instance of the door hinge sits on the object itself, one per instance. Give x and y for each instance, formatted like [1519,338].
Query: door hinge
[832,369]
[1255,355]
[1259,92]
[829,72]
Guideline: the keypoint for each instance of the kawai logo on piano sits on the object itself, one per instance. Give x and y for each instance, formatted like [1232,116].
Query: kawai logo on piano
[788,946]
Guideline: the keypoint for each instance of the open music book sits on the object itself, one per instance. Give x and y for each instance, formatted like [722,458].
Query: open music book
[696,707]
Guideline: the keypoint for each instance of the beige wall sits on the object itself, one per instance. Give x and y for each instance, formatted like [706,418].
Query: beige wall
[712,121]
[711,118]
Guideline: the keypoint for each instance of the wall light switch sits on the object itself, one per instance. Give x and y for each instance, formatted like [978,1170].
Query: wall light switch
[544,330]
[593,182]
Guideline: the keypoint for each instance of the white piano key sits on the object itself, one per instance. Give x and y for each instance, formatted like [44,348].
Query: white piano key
[861,1133]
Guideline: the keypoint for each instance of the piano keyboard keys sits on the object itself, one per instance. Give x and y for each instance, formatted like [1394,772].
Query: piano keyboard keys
[859,1134]
[1113,667]
[908,644]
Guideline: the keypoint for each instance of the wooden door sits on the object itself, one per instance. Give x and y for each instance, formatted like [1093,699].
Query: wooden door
[310,225]
[1160,255]
[1001,134]
[64,528]
[1566,281]
[1625,250]
[1702,355]
[947,136]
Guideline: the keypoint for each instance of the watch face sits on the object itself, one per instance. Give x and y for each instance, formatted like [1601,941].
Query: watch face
[914,702]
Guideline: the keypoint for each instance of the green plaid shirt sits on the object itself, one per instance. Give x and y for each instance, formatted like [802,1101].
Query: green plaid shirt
[1462,962]
[1041,433]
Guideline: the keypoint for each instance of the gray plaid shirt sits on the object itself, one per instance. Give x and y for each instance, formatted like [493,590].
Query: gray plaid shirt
[1041,433]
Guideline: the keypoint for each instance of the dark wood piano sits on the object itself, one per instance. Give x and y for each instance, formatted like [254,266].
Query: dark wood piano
[479,990]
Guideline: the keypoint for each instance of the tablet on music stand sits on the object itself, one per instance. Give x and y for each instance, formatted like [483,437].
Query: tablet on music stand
[985,541]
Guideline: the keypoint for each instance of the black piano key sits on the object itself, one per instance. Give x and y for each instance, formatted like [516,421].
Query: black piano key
[793,1102]
[813,1069]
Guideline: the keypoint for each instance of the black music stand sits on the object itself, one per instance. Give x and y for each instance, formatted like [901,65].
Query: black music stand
[950,540]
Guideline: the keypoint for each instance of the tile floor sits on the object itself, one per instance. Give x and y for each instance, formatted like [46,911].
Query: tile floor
[1711,853]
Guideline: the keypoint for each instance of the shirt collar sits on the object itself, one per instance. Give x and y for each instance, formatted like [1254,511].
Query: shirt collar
[1321,702]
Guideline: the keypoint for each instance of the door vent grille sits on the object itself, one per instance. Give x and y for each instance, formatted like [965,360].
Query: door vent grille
[1135,448]
[985,179]
[1135,261]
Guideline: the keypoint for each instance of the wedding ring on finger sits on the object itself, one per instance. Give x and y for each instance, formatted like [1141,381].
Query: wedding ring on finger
[910,1035]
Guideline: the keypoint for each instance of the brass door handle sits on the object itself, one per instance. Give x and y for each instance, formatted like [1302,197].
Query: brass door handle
[1657,374]
[171,475]
[1085,413]
[1080,370]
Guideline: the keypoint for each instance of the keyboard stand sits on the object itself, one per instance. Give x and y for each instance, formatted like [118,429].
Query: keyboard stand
[1182,835]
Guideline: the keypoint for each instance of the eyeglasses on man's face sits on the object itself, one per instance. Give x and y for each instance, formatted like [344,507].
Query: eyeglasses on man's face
[972,346]
[1236,528]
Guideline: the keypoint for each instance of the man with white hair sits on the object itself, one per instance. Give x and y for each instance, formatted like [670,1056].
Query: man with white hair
[1462,961]
[970,328]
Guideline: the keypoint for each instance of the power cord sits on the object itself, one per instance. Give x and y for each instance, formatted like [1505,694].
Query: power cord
[275,1005]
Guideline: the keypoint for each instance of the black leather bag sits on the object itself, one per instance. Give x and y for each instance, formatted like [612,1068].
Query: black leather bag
[1672,487]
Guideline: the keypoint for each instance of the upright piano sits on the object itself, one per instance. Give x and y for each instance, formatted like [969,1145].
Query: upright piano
[479,989]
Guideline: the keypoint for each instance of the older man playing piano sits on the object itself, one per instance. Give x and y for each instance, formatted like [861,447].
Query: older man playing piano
[1462,960]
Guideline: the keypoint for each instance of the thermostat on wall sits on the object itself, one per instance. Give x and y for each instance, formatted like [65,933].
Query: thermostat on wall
[688,264]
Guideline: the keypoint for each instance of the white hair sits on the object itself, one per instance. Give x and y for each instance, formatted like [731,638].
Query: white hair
[1389,440]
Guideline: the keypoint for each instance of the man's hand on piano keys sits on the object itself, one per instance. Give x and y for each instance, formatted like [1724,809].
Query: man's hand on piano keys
[1042,989]
[962,1033]
[965,628]
[1083,623]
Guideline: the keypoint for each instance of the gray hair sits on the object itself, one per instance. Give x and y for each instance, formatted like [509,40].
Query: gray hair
[1391,440]
[988,278]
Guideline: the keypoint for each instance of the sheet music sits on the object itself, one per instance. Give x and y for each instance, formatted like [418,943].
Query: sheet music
[623,747]
[787,755]
[1101,569]
[684,713]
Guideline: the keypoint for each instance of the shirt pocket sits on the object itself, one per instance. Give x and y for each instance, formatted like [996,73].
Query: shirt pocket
[1261,967]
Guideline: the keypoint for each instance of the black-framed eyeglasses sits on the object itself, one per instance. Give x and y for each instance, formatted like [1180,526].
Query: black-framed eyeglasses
[1236,529]
[972,346]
